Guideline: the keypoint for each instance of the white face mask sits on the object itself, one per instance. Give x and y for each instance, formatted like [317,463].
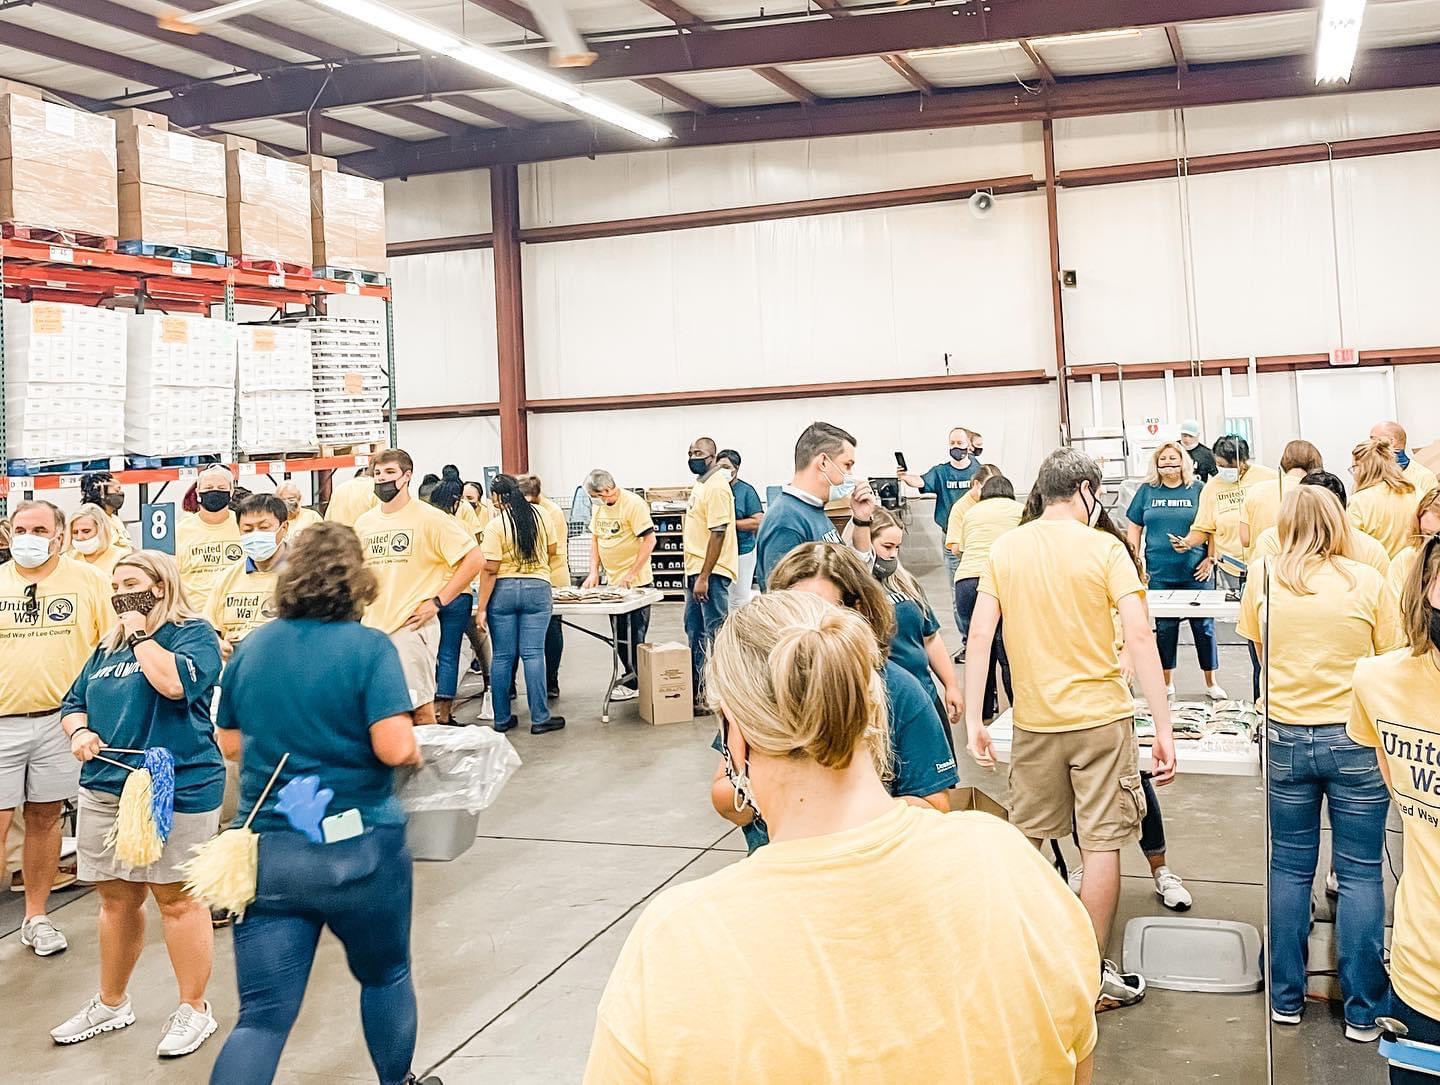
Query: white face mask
[87,546]
[30,551]
[1228,474]
[259,545]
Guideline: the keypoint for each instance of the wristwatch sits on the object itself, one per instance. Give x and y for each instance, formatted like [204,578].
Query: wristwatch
[438,605]
[860,523]
[136,638]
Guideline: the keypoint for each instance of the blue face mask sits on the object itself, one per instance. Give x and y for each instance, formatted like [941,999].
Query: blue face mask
[259,545]
[839,491]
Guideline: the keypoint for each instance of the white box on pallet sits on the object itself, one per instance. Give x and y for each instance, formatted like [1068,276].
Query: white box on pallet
[276,400]
[180,395]
[350,381]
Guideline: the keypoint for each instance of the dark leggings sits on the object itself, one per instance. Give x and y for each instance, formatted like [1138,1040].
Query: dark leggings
[966,593]
[360,889]
[1152,828]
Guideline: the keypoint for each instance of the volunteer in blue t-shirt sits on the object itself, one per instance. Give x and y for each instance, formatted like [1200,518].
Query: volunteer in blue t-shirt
[749,513]
[1163,509]
[922,763]
[949,482]
[319,686]
[824,473]
[149,683]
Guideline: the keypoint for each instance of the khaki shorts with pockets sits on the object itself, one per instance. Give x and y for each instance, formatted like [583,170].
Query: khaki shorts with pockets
[419,649]
[1089,779]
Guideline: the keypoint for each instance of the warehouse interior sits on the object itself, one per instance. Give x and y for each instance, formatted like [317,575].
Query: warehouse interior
[567,235]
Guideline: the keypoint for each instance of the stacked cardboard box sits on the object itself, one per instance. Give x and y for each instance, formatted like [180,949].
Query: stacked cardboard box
[172,186]
[276,403]
[64,381]
[267,203]
[348,372]
[180,391]
[57,165]
[347,217]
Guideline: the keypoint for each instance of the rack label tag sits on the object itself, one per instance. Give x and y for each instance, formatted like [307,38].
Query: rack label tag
[62,254]
[352,288]
[179,267]
[278,279]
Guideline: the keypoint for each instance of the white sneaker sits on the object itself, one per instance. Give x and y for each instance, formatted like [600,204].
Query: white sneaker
[186,1030]
[42,936]
[624,693]
[1215,692]
[1077,875]
[1171,890]
[1118,988]
[487,707]
[94,1019]
[1361,1035]
[1170,690]
[1284,1018]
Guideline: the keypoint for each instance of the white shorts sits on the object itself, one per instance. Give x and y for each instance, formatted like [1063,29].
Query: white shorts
[36,764]
[419,649]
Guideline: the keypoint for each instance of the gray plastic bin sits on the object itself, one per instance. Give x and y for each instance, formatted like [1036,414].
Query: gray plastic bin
[441,835]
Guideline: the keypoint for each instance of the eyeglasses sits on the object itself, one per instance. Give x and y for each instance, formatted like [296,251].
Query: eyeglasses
[32,605]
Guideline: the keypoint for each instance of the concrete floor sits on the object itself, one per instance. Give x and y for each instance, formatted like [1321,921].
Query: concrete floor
[513,942]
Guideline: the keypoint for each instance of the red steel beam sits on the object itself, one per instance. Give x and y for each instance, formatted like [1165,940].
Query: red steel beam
[1046,75]
[1176,50]
[802,94]
[134,22]
[509,318]
[1057,307]
[490,112]
[512,12]
[70,52]
[671,93]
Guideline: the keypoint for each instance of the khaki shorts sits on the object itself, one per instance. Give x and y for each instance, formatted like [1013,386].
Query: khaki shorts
[419,649]
[97,863]
[1086,779]
[36,764]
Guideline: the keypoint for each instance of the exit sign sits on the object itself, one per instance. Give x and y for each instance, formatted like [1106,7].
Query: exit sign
[1344,356]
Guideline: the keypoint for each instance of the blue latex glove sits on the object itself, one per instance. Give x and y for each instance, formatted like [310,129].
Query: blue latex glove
[303,802]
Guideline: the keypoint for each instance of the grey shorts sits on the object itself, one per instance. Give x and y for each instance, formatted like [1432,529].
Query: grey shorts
[97,863]
[36,764]
[419,649]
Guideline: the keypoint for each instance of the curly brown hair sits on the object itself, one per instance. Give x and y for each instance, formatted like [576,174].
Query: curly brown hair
[324,577]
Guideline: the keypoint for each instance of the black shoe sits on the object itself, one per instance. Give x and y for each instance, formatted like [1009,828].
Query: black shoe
[508,725]
[428,1079]
[220,918]
[553,692]
[554,723]
[476,667]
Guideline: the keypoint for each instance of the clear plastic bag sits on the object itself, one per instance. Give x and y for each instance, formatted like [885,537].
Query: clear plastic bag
[464,769]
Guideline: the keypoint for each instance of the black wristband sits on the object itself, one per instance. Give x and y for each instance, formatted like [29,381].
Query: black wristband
[436,600]
[860,523]
[79,729]
[134,640]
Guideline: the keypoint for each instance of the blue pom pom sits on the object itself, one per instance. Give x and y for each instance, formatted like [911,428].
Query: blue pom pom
[161,765]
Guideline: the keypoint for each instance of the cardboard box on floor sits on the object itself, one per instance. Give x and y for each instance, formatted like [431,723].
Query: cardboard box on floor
[972,798]
[57,165]
[666,695]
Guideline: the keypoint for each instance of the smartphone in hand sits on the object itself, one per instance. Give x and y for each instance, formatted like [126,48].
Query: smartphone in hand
[900,463]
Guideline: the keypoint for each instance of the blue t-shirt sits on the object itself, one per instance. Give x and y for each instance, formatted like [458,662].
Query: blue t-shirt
[913,623]
[747,504]
[949,482]
[313,689]
[1163,511]
[125,710]
[789,522]
[923,762]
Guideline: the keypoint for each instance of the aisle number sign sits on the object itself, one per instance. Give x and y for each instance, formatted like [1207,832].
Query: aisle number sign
[157,525]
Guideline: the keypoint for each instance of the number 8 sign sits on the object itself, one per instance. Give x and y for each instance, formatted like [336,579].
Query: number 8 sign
[157,523]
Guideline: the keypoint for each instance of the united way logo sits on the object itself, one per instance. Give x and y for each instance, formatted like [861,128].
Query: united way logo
[233,552]
[60,610]
[400,542]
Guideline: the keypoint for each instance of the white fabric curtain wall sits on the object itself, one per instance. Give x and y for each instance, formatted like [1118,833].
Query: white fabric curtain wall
[445,328]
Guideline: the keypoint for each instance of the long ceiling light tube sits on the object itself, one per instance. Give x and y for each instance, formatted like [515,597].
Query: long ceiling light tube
[1339,39]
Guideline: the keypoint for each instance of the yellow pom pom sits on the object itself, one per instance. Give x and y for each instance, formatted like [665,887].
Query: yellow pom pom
[133,834]
[222,871]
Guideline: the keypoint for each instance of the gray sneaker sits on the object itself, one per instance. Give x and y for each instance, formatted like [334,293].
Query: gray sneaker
[42,936]
[94,1019]
[1118,988]
[186,1030]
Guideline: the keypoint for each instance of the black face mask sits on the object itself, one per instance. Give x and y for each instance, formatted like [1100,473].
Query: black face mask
[1435,628]
[4,555]
[387,491]
[140,602]
[698,466]
[115,502]
[977,451]
[214,500]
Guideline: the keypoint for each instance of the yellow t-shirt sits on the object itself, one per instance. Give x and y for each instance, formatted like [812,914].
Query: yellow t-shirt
[205,551]
[1220,505]
[1382,513]
[1393,710]
[1317,638]
[559,531]
[119,536]
[44,647]
[1057,582]
[413,553]
[957,516]
[1362,548]
[242,601]
[979,528]
[303,519]
[471,519]
[813,996]
[618,530]
[350,499]
[499,545]
[103,562]
[1260,508]
[712,506]
[1400,569]
[1421,477]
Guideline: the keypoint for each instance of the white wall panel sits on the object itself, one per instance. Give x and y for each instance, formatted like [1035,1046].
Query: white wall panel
[837,297]
[705,178]
[445,328]
[438,205]
[470,444]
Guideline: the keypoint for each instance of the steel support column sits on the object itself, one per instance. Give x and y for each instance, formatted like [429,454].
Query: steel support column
[509,318]
[1057,308]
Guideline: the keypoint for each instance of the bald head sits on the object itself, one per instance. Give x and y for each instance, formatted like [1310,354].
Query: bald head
[1393,432]
[215,478]
[705,445]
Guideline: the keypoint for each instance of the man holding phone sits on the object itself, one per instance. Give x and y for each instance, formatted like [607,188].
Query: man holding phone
[949,482]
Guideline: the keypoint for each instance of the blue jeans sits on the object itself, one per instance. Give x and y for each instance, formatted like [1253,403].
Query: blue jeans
[454,619]
[703,621]
[1306,764]
[360,889]
[966,593]
[962,620]
[1423,1030]
[519,615]
[1237,583]
[1167,630]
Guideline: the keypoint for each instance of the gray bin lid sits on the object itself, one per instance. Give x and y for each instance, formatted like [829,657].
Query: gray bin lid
[1214,956]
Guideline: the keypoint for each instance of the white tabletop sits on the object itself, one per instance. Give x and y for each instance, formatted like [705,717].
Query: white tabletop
[638,599]
[1192,756]
[1192,604]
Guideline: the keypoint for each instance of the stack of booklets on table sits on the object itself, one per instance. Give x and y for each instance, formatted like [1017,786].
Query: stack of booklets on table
[1218,725]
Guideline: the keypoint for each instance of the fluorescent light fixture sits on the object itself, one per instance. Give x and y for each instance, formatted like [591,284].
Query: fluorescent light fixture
[1339,38]
[1094,35]
[958,50]
[183,22]
[430,38]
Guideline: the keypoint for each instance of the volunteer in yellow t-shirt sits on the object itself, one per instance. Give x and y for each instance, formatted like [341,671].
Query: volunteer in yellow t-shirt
[208,543]
[516,602]
[712,558]
[1260,508]
[1217,520]
[1358,545]
[91,540]
[243,598]
[100,488]
[423,559]
[1384,501]
[1393,710]
[53,612]
[622,538]
[829,986]
[993,512]
[1312,614]
[557,528]
[297,516]
[1427,523]
[352,498]
[1056,581]
[1415,472]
